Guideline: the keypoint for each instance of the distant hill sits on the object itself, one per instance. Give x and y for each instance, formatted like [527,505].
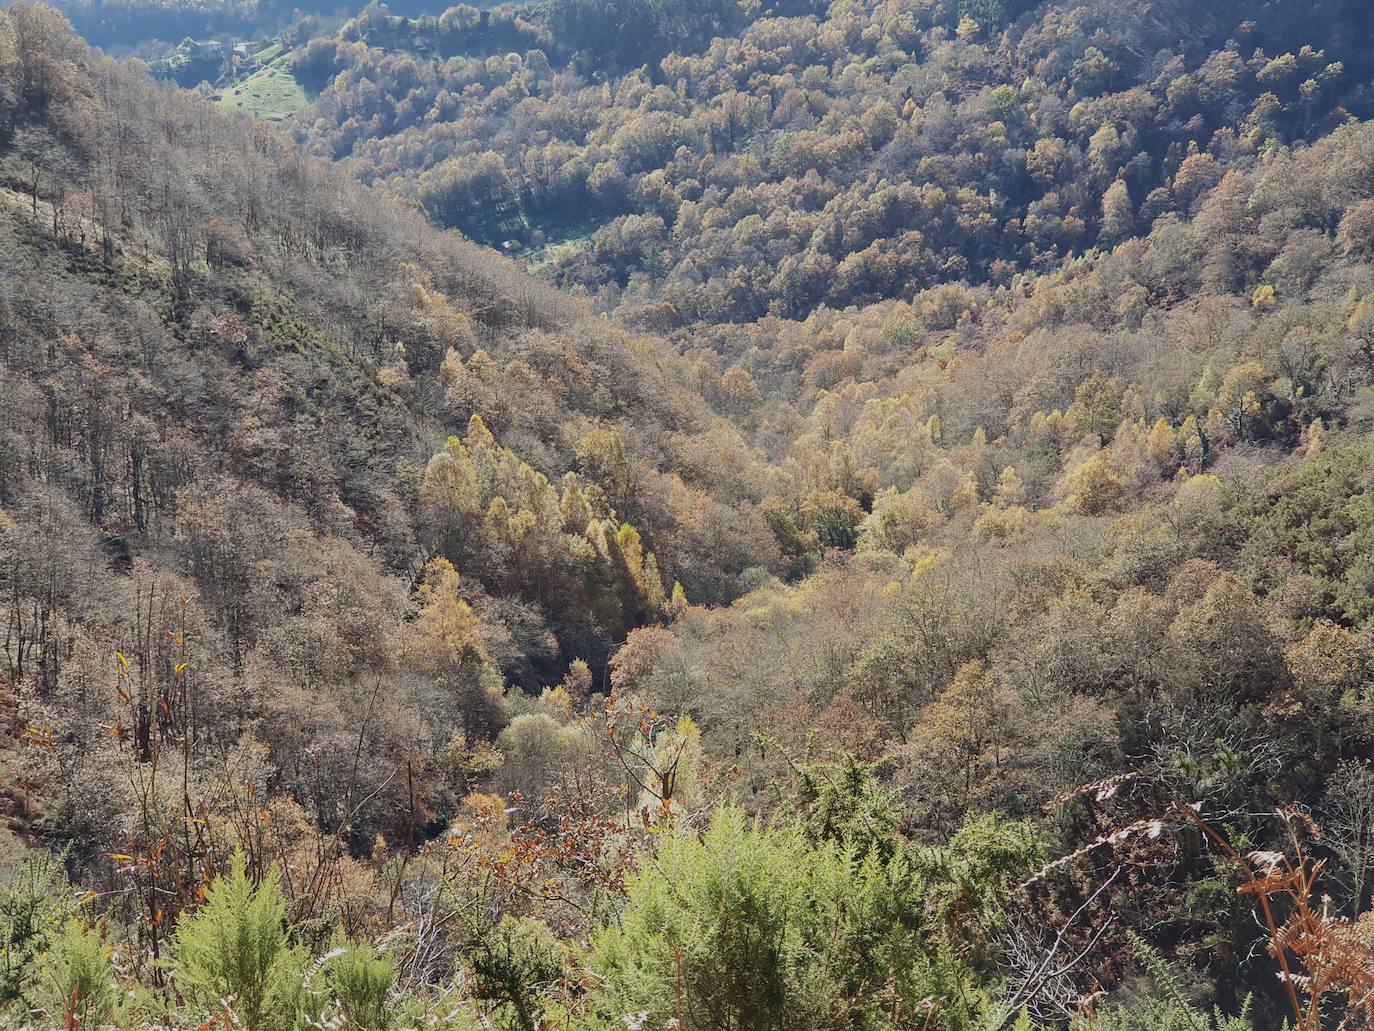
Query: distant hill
[121,26]
[807,157]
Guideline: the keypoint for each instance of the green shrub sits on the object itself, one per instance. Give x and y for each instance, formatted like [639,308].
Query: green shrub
[1160,1015]
[361,981]
[1168,1009]
[76,982]
[512,964]
[769,927]
[754,927]
[34,906]
[236,949]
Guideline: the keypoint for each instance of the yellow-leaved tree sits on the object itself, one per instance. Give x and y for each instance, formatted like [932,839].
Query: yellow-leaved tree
[970,719]
[446,644]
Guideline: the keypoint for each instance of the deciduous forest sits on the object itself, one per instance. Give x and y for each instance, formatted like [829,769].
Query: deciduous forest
[729,516]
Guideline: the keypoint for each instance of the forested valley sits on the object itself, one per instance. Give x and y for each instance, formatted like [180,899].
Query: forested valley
[693,517]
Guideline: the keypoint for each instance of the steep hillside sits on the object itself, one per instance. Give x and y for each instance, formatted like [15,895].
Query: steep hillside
[243,395]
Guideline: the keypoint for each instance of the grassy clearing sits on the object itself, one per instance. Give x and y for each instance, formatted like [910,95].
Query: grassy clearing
[539,259]
[563,238]
[271,93]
